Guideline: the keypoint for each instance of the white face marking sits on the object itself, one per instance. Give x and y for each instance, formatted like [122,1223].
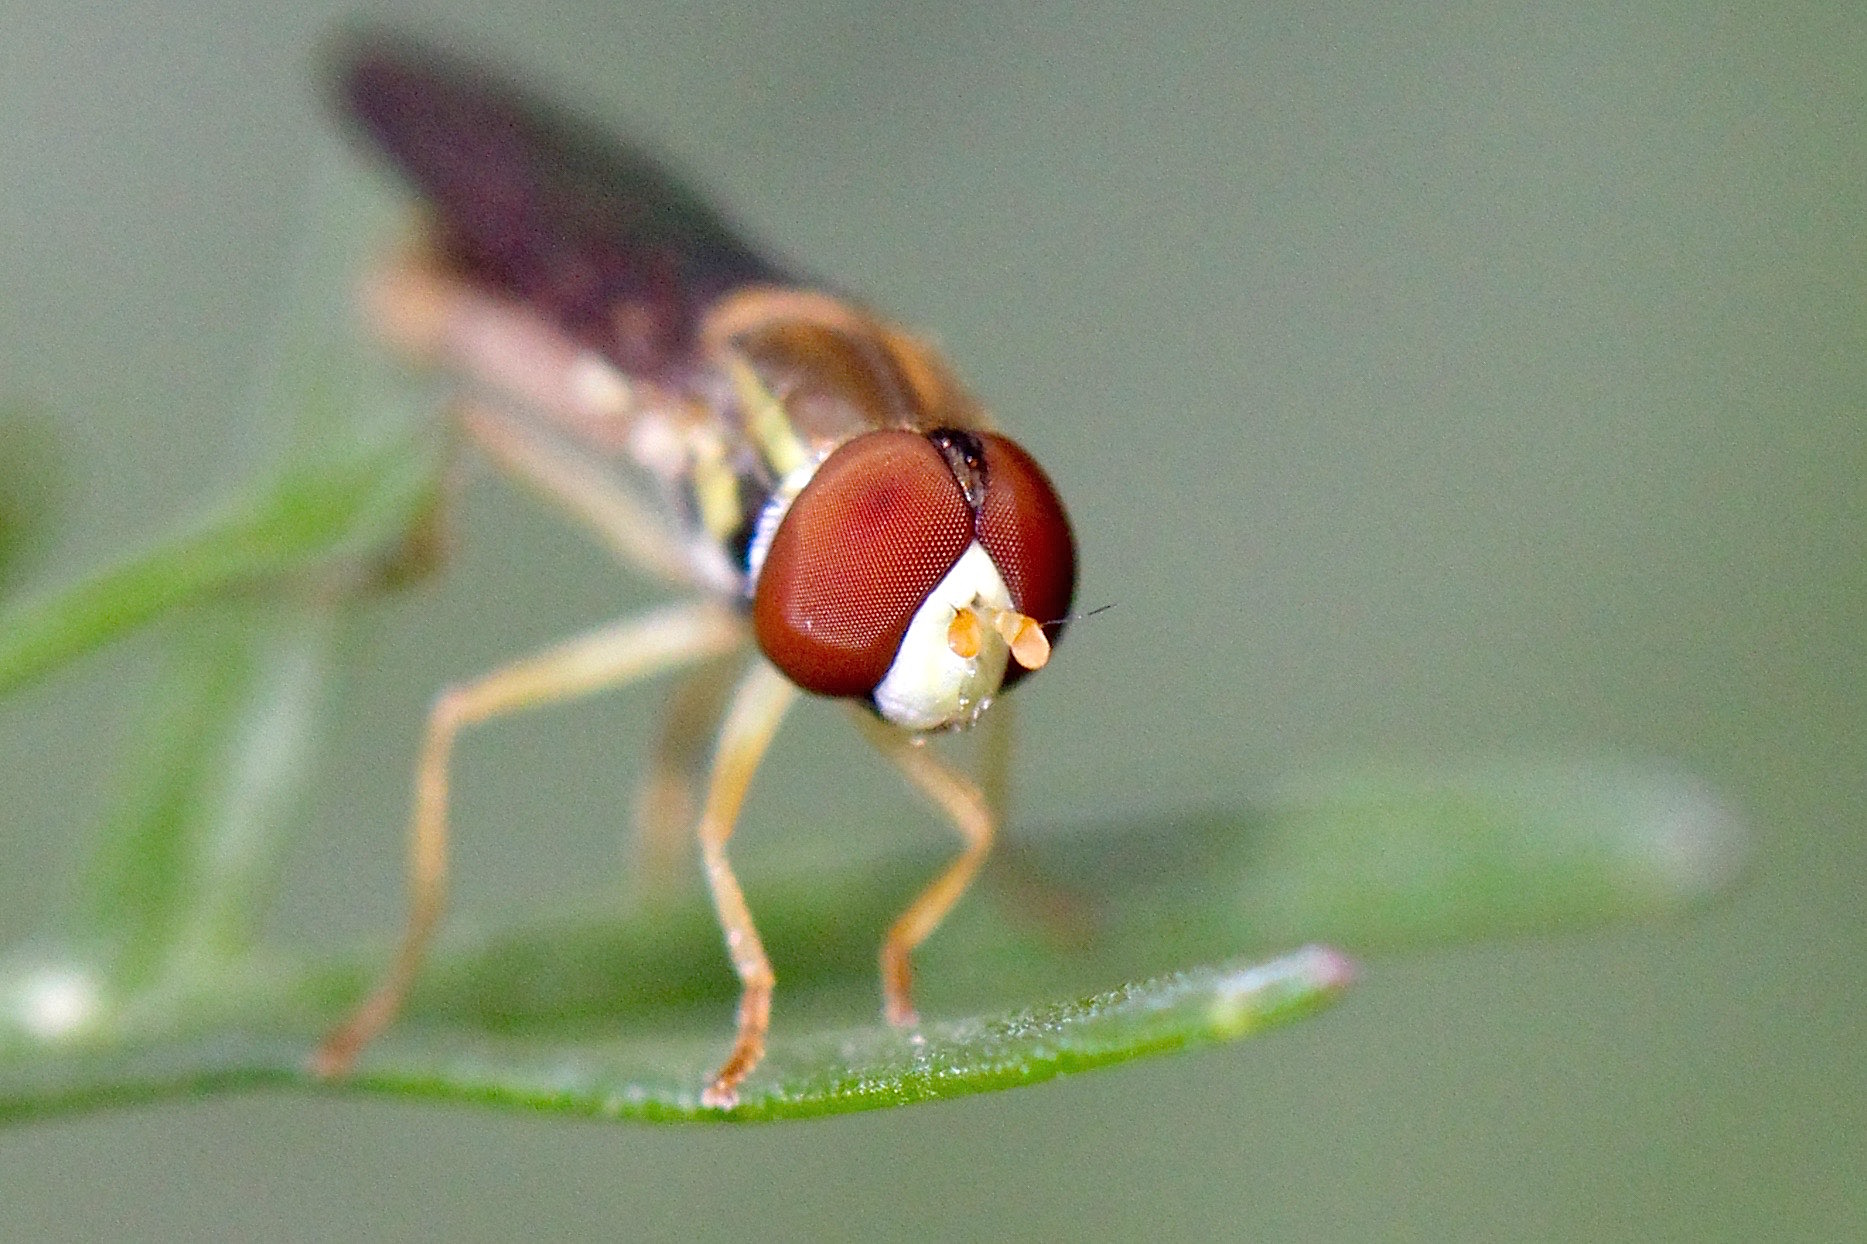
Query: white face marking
[929,686]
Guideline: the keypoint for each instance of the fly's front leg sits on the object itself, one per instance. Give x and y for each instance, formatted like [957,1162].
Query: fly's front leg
[603,659]
[758,707]
[1065,917]
[995,739]
[967,807]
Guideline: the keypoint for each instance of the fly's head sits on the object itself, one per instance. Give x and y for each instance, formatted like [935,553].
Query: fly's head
[917,571]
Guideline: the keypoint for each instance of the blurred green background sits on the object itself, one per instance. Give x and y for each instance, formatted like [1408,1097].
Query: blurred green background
[1423,386]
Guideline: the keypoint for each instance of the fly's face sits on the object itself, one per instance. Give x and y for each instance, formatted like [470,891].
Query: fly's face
[916,571]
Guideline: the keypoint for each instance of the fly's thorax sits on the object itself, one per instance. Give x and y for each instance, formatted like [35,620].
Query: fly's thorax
[835,369]
[786,377]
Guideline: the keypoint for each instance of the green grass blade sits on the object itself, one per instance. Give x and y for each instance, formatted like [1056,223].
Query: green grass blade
[350,518]
[658,1077]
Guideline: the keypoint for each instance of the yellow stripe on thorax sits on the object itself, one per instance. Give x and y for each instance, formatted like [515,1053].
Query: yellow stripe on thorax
[766,419]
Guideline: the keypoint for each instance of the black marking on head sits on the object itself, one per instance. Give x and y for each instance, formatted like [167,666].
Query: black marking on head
[966,456]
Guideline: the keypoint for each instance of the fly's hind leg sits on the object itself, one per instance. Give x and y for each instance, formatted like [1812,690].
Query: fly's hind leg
[603,659]
[972,815]
[669,801]
[1064,917]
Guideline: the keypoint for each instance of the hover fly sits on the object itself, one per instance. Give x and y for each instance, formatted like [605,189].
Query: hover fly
[812,474]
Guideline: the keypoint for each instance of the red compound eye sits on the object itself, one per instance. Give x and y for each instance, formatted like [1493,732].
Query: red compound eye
[879,524]
[1023,526]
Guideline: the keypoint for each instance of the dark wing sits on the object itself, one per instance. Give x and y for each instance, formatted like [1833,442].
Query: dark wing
[546,206]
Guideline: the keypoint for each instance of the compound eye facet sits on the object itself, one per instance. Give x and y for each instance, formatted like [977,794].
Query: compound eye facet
[1022,524]
[880,523]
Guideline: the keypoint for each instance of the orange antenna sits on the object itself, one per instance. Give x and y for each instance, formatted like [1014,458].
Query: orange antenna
[1029,645]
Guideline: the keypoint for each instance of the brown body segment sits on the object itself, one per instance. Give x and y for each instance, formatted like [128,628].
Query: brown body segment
[839,370]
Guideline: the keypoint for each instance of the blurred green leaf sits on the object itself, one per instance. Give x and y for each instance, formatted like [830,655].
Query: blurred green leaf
[184,865]
[31,483]
[344,520]
[353,502]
